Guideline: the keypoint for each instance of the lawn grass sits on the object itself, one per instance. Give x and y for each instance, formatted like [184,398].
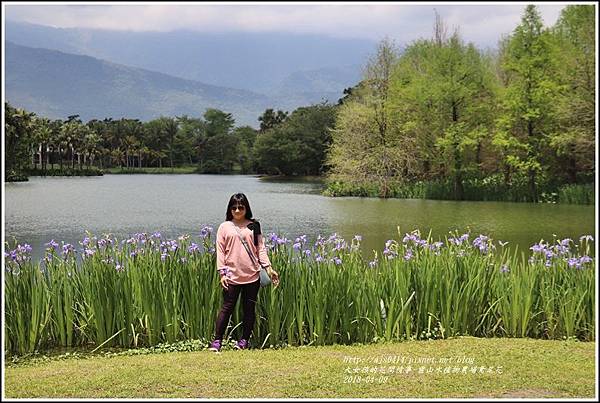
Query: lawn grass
[528,368]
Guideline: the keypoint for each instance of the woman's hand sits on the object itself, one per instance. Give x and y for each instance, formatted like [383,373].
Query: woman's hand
[224,282]
[274,276]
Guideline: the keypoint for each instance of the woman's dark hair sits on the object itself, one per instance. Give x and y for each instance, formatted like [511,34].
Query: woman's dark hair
[238,198]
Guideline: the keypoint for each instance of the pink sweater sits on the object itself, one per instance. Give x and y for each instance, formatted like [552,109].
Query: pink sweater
[232,255]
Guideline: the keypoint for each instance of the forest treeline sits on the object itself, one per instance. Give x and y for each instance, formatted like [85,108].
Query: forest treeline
[285,144]
[445,112]
[439,119]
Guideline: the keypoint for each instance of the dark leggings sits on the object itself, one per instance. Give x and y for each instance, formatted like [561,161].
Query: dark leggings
[230,296]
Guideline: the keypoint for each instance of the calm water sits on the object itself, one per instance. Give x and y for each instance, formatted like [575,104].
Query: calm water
[64,208]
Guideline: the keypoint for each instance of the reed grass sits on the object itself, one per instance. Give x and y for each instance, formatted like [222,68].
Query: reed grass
[491,188]
[577,194]
[147,290]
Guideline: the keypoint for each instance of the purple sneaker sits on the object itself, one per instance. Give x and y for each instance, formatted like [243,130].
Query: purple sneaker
[215,346]
[242,344]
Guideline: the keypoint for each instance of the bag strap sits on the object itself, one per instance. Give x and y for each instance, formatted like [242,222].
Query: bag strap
[245,243]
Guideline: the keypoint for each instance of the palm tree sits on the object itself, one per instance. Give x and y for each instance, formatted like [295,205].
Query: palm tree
[42,135]
[91,142]
[169,130]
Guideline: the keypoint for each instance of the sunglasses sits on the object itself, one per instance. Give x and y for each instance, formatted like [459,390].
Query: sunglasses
[238,207]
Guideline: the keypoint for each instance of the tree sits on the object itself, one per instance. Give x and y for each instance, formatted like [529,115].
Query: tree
[367,148]
[42,135]
[155,140]
[573,138]
[217,122]
[269,119]
[19,125]
[245,138]
[442,95]
[189,137]
[91,145]
[169,129]
[218,151]
[528,106]
[298,145]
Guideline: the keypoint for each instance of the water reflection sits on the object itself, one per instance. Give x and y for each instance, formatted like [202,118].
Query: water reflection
[64,208]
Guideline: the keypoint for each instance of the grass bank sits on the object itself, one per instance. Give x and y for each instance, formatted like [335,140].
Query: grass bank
[284,178]
[512,368]
[191,169]
[487,189]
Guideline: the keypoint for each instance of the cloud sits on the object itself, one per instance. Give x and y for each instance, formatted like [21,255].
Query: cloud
[482,24]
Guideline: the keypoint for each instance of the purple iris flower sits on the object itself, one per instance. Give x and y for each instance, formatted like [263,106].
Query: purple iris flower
[339,245]
[52,244]
[301,240]
[25,248]
[560,249]
[565,242]
[459,240]
[206,231]
[538,247]
[68,248]
[320,241]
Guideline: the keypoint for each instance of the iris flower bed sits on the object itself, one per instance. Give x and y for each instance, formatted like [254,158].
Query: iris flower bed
[146,290]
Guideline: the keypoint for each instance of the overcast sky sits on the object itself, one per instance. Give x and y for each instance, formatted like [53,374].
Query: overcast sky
[482,23]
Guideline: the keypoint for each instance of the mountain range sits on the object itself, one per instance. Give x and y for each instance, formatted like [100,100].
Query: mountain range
[100,73]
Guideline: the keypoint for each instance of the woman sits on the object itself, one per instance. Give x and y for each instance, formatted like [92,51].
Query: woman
[238,273]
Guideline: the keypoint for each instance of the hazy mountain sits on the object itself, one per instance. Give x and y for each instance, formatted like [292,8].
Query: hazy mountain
[269,63]
[56,84]
[321,80]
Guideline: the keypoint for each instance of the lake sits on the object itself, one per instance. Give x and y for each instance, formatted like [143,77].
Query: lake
[63,208]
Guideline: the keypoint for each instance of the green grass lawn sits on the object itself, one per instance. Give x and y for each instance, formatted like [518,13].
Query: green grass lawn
[524,368]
